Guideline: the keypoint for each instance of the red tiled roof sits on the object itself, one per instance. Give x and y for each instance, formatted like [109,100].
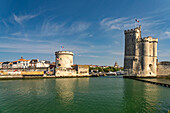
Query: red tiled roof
[23,60]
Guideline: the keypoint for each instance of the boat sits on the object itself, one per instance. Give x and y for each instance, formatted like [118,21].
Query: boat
[111,73]
[120,72]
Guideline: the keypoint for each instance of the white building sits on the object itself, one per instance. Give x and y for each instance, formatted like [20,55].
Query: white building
[21,63]
[38,64]
[43,63]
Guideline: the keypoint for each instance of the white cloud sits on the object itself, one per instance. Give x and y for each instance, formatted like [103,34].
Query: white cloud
[128,23]
[110,23]
[164,53]
[17,34]
[116,42]
[78,27]
[167,33]
[49,28]
[164,35]
[92,56]
[117,53]
[23,39]
[21,19]
[5,23]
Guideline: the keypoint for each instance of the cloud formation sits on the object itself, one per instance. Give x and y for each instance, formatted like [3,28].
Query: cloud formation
[118,23]
[22,18]
[50,28]
[128,22]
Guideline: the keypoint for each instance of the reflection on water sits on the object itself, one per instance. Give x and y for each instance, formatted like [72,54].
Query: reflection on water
[66,88]
[133,95]
[102,94]
[144,97]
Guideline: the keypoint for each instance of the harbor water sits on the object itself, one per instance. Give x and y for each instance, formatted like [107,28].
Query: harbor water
[82,95]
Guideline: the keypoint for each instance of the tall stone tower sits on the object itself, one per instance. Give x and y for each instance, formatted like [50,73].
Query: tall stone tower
[64,59]
[140,56]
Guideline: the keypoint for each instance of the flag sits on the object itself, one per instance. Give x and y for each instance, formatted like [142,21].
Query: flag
[62,46]
[136,20]
[57,58]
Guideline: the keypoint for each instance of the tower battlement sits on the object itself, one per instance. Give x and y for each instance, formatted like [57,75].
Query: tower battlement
[137,29]
[150,39]
[64,52]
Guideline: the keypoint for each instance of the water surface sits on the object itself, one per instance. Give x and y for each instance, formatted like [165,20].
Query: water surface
[82,95]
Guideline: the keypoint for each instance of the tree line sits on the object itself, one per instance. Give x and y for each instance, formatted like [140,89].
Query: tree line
[107,69]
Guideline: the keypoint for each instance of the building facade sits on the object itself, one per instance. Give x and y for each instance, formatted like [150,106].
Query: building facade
[140,58]
[82,69]
[21,63]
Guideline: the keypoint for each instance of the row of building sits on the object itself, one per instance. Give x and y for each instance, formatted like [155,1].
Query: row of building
[23,63]
[63,67]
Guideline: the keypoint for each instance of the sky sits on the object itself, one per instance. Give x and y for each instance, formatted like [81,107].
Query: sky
[92,29]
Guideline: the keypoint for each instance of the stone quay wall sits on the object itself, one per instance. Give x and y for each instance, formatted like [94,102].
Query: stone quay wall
[163,69]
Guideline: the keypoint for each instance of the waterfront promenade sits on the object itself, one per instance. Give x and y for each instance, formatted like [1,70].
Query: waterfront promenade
[165,82]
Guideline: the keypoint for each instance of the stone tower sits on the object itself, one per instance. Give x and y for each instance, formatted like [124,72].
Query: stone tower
[140,56]
[64,59]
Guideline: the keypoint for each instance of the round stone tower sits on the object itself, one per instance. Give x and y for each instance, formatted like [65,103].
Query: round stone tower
[64,59]
[145,55]
[149,56]
[155,42]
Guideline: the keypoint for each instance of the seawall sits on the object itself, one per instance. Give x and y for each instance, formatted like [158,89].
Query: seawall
[161,81]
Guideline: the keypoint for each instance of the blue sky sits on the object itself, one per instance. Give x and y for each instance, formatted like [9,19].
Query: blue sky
[92,29]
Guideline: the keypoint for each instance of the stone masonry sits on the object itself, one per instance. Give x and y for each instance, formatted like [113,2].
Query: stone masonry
[140,58]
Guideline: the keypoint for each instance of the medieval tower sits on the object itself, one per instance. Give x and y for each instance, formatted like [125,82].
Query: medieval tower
[140,58]
[64,59]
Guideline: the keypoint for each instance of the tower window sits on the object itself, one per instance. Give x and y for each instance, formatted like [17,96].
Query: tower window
[150,65]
